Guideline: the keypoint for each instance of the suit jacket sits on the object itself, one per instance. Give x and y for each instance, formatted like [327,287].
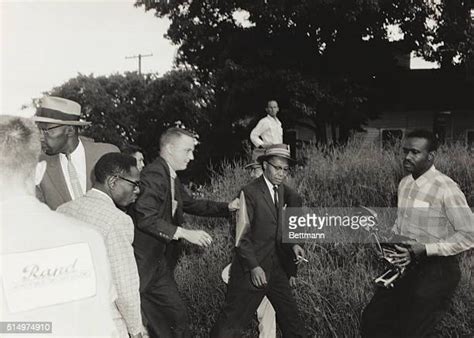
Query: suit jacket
[154,224]
[53,189]
[116,228]
[262,244]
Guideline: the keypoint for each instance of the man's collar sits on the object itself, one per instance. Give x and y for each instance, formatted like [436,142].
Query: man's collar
[172,172]
[427,175]
[273,118]
[79,148]
[269,184]
[103,194]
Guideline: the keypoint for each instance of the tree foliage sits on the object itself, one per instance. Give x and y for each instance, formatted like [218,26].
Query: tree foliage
[452,40]
[318,58]
[131,108]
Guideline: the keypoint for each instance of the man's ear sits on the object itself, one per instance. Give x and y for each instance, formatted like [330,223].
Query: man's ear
[111,181]
[169,148]
[39,172]
[431,155]
[71,130]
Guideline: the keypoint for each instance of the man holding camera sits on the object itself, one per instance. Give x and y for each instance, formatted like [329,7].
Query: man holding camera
[432,211]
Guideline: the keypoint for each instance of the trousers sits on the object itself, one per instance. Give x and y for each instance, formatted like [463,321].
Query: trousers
[163,309]
[412,307]
[243,299]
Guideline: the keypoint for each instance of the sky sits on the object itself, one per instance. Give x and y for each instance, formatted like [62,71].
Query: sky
[45,43]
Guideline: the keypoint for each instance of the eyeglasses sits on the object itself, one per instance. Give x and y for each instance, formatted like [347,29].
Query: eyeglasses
[136,184]
[45,131]
[284,170]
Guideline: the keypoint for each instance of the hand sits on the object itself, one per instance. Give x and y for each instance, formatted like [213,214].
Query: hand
[293,281]
[258,277]
[198,237]
[299,253]
[401,258]
[234,205]
[418,249]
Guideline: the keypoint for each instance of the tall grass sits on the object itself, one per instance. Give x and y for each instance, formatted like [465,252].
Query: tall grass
[336,284]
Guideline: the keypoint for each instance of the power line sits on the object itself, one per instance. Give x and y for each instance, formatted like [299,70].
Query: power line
[139,57]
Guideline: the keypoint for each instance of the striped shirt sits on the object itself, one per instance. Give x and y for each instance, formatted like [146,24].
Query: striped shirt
[433,210]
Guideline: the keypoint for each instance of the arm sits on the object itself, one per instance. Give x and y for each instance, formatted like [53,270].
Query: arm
[461,219]
[201,207]
[125,276]
[293,200]
[396,227]
[257,131]
[150,206]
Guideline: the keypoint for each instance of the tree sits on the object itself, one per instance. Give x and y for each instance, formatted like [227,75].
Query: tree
[131,108]
[317,57]
[452,41]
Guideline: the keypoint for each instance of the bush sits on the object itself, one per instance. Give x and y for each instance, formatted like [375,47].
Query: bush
[336,284]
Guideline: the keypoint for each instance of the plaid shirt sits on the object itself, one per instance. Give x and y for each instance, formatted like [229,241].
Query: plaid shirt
[98,209]
[433,210]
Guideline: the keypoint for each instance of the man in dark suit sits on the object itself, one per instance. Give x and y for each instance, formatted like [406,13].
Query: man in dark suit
[158,215]
[70,159]
[262,264]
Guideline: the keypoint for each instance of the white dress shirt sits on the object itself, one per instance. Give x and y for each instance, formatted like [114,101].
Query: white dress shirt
[270,188]
[267,131]
[78,158]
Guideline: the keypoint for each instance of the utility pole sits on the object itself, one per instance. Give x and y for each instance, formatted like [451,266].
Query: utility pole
[139,57]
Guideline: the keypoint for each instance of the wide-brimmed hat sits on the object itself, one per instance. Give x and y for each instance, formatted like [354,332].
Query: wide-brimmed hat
[57,110]
[256,153]
[279,150]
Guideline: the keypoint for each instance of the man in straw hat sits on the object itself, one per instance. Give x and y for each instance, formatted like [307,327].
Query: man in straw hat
[255,167]
[262,264]
[70,158]
[265,311]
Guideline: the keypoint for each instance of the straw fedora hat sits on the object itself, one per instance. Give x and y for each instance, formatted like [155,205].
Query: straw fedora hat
[280,150]
[57,110]
[256,153]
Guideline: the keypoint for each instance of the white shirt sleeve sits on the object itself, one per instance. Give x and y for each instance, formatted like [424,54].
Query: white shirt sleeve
[259,129]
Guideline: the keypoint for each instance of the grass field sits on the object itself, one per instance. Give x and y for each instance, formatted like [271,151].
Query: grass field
[336,284]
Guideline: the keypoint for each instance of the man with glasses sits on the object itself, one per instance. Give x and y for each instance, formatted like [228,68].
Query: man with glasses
[262,264]
[116,187]
[70,158]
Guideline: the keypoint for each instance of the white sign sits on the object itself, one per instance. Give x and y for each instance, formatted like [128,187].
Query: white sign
[47,277]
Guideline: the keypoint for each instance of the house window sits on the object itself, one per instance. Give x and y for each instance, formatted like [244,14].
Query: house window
[442,126]
[391,137]
[470,139]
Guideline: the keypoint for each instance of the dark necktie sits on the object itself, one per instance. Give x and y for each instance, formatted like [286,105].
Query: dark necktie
[275,197]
